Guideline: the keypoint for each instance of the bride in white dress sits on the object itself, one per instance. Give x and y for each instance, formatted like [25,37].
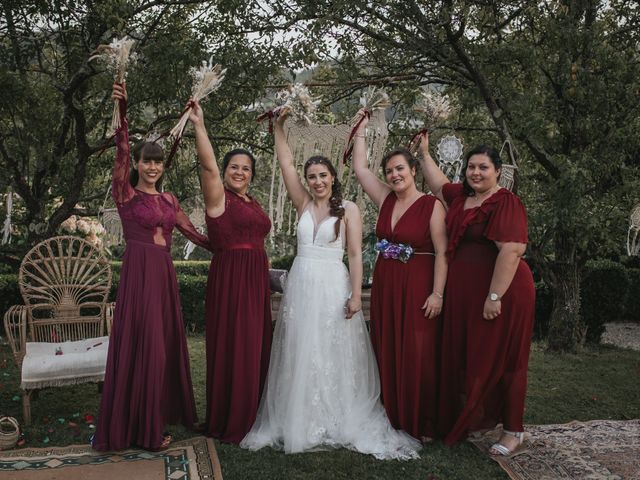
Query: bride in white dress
[323,388]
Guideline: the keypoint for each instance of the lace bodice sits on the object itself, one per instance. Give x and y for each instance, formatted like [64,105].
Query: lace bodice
[242,223]
[146,217]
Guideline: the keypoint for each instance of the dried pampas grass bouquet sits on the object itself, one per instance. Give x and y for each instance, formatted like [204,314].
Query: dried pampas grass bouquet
[206,79]
[117,56]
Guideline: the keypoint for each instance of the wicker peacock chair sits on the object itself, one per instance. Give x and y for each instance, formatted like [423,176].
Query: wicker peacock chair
[58,337]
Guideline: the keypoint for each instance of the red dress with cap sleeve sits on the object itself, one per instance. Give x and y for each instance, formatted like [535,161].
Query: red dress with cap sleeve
[147,380]
[404,341]
[238,318]
[484,362]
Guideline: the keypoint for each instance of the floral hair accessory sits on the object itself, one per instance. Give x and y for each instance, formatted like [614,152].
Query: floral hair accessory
[395,251]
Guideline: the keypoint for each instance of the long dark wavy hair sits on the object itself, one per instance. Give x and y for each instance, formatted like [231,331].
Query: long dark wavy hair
[150,151]
[335,201]
[239,151]
[490,152]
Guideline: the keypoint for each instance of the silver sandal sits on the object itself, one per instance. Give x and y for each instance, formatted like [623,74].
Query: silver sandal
[499,449]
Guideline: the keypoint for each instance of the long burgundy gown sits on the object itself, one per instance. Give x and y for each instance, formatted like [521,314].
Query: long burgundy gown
[484,362]
[238,318]
[404,341]
[147,381]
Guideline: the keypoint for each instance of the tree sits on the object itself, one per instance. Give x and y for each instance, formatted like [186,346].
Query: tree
[559,81]
[55,105]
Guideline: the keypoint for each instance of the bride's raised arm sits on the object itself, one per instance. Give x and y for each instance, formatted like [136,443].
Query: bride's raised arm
[297,193]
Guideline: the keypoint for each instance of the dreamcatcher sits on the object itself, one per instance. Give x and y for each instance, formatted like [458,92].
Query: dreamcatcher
[450,157]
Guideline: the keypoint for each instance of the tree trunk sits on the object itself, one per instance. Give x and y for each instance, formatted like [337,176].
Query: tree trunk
[566,332]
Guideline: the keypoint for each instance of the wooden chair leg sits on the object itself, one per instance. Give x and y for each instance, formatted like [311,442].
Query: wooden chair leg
[26,406]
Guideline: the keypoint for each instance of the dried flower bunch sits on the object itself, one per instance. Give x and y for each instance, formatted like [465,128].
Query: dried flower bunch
[117,56]
[435,108]
[299,102]
[206,79]
[374,98]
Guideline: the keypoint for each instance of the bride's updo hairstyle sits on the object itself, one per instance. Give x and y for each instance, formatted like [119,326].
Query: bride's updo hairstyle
[335,202]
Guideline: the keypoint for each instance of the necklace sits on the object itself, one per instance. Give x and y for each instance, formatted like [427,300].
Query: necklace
[483,196]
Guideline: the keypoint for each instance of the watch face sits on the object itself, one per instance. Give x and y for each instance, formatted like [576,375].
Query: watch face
[493,297]
[449,149]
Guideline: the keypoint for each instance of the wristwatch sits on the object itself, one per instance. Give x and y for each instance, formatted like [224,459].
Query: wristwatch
[494,297]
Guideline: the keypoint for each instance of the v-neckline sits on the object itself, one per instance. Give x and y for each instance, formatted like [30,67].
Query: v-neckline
[393,227]
[316,225]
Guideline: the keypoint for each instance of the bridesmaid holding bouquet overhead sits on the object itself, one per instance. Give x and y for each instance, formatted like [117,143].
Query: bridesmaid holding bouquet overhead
[408,288]
[238,302]
[147,379]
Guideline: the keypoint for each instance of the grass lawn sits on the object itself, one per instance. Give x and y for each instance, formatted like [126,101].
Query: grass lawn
[598,383]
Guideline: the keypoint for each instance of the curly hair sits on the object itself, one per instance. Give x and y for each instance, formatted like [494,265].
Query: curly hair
[335,201]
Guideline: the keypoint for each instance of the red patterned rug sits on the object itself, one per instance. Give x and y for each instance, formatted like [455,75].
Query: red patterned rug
[191,459]
[595,450]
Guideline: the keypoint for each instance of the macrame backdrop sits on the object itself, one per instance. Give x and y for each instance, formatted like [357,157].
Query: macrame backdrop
[633,245]
[197,217]
[6,228]
[328,141]
[110,220]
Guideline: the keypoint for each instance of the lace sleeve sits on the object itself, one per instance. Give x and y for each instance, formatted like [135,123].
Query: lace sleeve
[121,190]
[188,229]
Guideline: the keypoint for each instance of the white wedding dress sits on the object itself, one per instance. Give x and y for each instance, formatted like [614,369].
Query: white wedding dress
[323,388]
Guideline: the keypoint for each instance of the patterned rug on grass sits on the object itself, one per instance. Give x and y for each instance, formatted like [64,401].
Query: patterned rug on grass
[595,450]
[191,459]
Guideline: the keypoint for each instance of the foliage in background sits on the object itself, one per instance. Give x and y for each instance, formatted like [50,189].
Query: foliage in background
[559,81]
[55,107]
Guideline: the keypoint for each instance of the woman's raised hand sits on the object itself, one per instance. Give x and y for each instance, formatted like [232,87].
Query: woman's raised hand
[363,118]
[282,116]
[119,91]
[197,115]
[424,144]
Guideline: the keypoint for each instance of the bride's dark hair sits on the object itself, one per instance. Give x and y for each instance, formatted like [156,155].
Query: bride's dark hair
[335,202]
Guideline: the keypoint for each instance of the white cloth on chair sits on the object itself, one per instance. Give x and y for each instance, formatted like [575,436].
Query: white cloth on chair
[81,361]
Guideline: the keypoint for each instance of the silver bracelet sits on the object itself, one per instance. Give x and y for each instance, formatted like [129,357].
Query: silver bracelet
[437,294]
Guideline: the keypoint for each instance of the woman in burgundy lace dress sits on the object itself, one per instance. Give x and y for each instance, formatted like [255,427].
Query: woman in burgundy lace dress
[238,307]
[147,381]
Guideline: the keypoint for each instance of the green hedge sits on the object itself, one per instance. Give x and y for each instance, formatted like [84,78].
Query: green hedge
[283,263]
[183,267]
[609,292]
[603,292]
[9,294]
[632,305]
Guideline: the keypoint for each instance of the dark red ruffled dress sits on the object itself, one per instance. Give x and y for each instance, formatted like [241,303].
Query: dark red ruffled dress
[404,341]
[238,318]
[147,381]
[484,363]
